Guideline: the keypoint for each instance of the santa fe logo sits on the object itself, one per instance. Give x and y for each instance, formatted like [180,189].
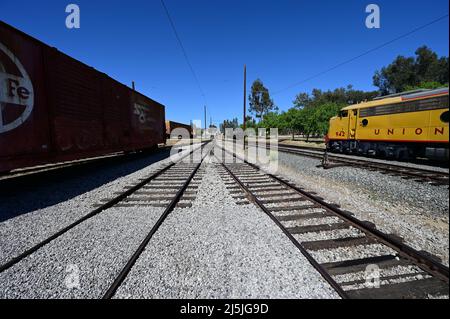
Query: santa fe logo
[16,93]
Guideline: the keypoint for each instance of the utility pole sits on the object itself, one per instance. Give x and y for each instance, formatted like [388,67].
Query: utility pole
[192,133]
[205,121]
[245,101]
[224,128]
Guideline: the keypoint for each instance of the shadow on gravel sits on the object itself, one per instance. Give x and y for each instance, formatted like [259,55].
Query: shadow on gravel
[27,194]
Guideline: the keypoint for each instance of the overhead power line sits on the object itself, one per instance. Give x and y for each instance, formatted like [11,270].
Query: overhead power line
[172,24]
[362,54]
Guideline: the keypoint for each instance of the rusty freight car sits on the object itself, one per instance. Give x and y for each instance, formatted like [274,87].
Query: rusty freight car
[171,126]
[54,108]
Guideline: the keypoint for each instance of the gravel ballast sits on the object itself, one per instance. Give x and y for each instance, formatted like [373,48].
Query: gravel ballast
[83,262]
[38,213]
[376,160]
[212,246]
[217,249]
[414,211]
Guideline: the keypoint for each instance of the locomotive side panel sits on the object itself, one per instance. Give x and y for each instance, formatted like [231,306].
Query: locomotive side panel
[439,125]
[412,122]
[410,125]
[339,128]
[395,127]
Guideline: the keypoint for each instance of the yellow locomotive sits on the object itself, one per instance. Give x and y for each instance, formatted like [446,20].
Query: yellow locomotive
[406,125]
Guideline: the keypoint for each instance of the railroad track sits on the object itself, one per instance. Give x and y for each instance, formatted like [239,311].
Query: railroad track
[53,167]
[352,255]
[58,167]
[431,177]
[174,185]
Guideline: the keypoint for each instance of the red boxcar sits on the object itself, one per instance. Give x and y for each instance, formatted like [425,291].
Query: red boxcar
[171,125]
[54,108]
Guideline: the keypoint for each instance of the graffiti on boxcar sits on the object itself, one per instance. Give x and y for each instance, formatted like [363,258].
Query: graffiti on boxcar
[87,139]
[73,136]
[16,92]
[141,112]
[145,119]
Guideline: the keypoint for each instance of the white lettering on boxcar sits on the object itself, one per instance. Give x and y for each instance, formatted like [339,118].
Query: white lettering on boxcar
[15,91]
[141,112]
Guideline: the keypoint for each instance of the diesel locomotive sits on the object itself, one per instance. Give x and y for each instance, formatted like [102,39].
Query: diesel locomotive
[400,126]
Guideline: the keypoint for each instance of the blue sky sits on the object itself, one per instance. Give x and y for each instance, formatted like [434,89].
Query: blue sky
[282,42]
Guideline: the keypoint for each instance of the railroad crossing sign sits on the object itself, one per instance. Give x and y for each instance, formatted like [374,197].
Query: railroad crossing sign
[16,92]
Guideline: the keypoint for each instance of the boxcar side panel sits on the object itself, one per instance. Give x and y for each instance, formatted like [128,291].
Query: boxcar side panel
[54,108]
[147,121]
[116,115]
[77,105]
[24,133]
[171,125]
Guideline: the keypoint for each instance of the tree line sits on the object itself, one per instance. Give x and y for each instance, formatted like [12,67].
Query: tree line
[310,113]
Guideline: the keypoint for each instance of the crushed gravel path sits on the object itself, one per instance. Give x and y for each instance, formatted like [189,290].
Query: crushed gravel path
[217,249]
[95,252]
[419,213]
[37,212]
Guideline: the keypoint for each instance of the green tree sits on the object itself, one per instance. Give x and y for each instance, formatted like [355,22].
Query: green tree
[302,100]
[307,118]
[311,113]
[259,98]
[396,76]
[249,122]
[425,85]
[286,121]
[407,72]
[322,116]
[339,96]
[295,121]
[234,123]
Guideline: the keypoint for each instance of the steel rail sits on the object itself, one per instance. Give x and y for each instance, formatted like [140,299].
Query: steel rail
[305,253]
[131,262]
[420,259]
[419,173]
[358,162]
[49,168]
[93,213]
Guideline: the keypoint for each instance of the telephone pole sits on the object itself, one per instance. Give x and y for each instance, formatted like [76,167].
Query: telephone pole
[245,101]
[205,121]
